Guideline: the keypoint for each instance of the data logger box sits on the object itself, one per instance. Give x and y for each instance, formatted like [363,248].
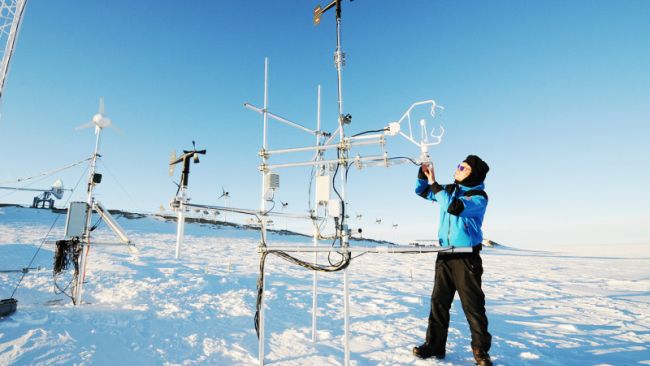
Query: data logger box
[76,221]
[334,208]
[323,189]
[271,184]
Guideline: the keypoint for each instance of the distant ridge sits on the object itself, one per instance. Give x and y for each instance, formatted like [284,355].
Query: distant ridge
[195,220]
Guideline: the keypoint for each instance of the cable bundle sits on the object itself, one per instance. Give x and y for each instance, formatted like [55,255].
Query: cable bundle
[67,251]
[341,265]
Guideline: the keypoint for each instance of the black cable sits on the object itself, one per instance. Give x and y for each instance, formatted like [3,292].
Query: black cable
[46,235]
[359,255]
[260,294]
[67,252]
[338,156]
[270,209]
[179,188]
[96,225]
[404,158]
[345,263]
[347,170]
[369,131]
[62,290]
[289,258]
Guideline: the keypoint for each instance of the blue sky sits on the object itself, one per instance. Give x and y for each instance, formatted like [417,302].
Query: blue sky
[554,95]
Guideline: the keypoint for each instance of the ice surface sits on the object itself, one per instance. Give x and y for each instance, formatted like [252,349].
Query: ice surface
[568,306]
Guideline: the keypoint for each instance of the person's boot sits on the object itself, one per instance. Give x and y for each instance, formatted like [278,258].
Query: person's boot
[424,351]
[481,357]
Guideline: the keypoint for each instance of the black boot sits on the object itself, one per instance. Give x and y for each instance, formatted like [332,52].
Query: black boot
[424,351]
[482,358]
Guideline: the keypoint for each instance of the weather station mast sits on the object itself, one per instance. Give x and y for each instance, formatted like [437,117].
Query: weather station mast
[326,184]
[11,15]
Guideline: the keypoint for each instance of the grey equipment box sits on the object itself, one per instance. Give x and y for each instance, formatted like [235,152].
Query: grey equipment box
[76,220]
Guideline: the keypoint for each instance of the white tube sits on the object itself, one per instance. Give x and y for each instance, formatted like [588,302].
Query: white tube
[280,119]
[378,249]
[314,305]
[263,208]
[311,163]
[80,277]
[326,147]
[180,231]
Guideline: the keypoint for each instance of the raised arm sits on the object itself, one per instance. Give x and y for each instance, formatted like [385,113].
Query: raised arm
[426,186]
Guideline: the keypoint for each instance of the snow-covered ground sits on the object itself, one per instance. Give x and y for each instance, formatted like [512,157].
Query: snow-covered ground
[585,306]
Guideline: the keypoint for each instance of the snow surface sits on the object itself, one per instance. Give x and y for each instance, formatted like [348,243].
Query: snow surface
[584,306]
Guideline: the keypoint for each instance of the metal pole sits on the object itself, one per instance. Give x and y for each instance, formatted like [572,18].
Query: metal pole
[331,161]
[263,205]
[225,214]
[280,119]
[180,231]
[339,57]
[314,305]
[372,140]
[85,241]
[379,250]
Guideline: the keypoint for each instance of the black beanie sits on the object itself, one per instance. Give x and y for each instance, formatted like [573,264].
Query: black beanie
[479,171]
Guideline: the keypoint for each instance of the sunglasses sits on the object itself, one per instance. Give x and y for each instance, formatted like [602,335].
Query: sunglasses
[462,168]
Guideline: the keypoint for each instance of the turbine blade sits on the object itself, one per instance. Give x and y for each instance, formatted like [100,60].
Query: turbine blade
[172,160]
[85,125]
[112,126]
[101,105]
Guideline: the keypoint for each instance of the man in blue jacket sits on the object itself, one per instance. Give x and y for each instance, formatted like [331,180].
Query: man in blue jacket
[462,207]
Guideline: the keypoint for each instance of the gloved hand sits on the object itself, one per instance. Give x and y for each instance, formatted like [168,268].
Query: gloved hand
[426,172]
[421,174]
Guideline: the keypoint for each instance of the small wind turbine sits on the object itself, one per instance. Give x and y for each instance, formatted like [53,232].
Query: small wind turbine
[359,216]
[225,195]
[395,226]
[284,207]
[378,221]
[99,121]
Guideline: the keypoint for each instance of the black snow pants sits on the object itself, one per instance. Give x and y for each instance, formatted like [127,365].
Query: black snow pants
[458,272]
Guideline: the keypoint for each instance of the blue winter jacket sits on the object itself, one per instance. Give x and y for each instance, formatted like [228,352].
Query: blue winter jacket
[461,211]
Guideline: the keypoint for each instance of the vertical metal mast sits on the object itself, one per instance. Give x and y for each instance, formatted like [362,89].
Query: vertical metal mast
[85,245]
[314,305]
[263,203]
[11,13]
[339,59]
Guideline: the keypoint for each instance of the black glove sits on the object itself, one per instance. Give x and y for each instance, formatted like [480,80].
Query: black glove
[421,174]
